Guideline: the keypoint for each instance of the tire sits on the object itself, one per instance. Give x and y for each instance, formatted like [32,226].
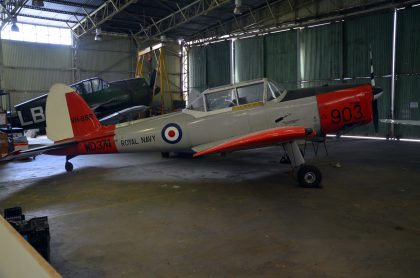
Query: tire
[68,166]
[165,154]
[309,176]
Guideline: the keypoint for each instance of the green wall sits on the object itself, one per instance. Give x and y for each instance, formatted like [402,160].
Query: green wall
[209,66]
[407,89]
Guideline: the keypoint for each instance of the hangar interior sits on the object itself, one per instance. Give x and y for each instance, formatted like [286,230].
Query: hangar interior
[136,215]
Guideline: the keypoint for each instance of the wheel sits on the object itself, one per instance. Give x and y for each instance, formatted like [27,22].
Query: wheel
[165,154]
[309,176]
[68,166]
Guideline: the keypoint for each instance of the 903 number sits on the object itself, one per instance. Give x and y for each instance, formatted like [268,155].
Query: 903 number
[346,114]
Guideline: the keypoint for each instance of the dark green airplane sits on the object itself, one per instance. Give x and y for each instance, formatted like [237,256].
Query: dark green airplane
[104,98]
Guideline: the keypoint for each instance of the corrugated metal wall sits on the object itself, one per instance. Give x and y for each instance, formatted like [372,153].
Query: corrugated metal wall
[218,64]
[197,73]
[280,52]
[321,53]
[249,59]
[31,68]
[407,93]
[112,58]
[209,66]
[360,33]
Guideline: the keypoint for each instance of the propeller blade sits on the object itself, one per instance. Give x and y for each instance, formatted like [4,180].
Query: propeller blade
[375,115]
[372,74]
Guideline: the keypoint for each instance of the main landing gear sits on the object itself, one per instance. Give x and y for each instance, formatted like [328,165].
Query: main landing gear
[69,166]
[307,175]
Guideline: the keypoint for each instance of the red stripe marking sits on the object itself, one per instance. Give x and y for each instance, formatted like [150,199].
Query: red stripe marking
[260,139]
[92,137]
[83,120]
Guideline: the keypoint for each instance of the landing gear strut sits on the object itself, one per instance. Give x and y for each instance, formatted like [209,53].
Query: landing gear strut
[68,166]
[307,175]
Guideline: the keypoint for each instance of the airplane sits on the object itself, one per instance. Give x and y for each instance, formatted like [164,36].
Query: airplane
[103,97]
[241,116]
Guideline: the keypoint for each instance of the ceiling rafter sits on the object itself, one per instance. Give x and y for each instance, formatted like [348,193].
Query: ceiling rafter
[72,4]
[103,13]
[68,21]
[179,17]
[52,10]
[10,9]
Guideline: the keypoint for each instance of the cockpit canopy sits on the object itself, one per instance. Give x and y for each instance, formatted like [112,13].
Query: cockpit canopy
[90,85]
[238,94]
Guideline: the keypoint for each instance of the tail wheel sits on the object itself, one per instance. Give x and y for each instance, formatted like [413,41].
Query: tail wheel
[309,176]
[68,166]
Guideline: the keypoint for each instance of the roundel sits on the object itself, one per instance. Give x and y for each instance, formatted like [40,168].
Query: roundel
[172,133]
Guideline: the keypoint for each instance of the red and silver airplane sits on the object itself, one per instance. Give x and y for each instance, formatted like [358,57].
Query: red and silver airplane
[241,116]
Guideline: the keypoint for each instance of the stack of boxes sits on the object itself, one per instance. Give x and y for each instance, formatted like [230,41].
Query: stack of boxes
[4,143]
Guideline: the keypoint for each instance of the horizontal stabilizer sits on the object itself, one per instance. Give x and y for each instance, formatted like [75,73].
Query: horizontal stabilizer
[22,154]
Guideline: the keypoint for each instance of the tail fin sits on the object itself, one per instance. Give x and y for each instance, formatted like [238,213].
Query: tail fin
[68,115]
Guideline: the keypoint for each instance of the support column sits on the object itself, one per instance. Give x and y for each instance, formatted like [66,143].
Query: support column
[394,53]
[74,67]
[2,73]
[298,59]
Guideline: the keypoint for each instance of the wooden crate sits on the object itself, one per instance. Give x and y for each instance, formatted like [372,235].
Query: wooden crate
[4,144]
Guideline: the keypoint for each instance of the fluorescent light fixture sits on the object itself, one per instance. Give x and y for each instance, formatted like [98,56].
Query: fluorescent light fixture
[14,27]
[238,5]
[321,24]
[98,34]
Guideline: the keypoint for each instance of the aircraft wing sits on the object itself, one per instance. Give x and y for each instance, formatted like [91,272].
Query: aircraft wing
[401,122]
[257,139]
[36,151]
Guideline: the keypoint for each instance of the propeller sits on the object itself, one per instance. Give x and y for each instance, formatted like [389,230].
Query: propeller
[376,91]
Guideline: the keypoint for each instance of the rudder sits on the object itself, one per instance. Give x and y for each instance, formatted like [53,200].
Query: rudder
[68,115]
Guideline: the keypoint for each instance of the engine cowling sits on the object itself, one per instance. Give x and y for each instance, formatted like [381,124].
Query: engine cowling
[340,110]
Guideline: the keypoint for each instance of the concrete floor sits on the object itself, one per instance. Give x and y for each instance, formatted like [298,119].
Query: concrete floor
[138,215]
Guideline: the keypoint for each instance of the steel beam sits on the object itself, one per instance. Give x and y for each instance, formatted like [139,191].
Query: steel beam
[179,17]
[47,18]
[9,10]
[72,4]
[52,10]
[103,13]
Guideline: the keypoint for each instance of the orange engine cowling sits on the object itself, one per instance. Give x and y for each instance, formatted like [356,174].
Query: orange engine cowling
[340,110]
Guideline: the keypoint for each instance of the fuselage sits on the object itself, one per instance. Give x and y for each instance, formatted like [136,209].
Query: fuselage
[324,109]
[104,99]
